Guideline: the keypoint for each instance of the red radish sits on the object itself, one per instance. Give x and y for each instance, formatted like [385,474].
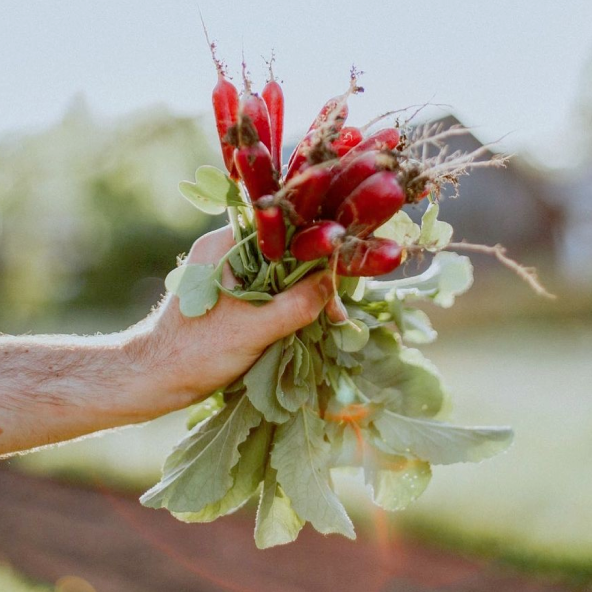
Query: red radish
[371,257]
[334,113]
[348,138]
[385,139]
[225,103]
[254,107]
[274,99]
[306,192]
[352,174]
[315,148]
[317,240]
[298,156]
[271,228]
[254,165]
[371,204]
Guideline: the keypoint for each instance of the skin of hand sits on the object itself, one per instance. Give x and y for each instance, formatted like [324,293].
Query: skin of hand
[55,388]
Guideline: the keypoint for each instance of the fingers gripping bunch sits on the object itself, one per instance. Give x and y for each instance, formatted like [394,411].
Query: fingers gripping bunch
[338,393]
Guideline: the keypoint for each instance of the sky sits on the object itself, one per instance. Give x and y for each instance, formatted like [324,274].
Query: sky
[505,67]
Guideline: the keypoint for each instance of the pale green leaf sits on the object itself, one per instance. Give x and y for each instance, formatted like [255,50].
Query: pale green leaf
[261,383]
[395,481]
[198,471]
[345,390]
[259,283]
[318,366]
[345,446]
[399,377]
[355,312]
[196,286]
[435,235]
[351,335]
[400,228]
[300,456]
[353,287]
[301,361]
[277,523]
[247,474]
[417,327]
[237,266]
[212,192]
[292,391]
[360,289]
[448,276]
[440,443]
[313,332]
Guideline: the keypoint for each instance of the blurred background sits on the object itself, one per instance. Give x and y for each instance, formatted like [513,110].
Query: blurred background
[105,107]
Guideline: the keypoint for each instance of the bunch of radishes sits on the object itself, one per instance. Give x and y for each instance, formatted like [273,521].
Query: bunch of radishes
[338,186]
[350,389]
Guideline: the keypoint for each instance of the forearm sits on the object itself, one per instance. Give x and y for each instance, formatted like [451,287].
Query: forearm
[55,388]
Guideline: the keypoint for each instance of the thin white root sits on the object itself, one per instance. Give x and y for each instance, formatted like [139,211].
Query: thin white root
[528,274]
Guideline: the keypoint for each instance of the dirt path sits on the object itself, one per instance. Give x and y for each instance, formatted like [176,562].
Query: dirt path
[49,530]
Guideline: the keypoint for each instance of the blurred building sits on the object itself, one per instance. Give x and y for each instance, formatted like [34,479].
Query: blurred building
[500,205]
[572,195]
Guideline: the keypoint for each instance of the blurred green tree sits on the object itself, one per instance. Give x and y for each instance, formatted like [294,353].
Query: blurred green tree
[89,210]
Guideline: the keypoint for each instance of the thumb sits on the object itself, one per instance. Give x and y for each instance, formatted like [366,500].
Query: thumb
[296,307]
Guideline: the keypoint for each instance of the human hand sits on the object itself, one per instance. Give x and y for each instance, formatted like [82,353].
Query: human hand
[186,359]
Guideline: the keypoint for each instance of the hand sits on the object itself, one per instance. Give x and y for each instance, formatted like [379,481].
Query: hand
[186,359]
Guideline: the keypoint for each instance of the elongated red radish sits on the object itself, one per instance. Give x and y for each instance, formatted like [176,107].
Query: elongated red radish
[329,121]
[225,102]
[317,240]
[306,192]
[348,138]
[274,99]
[350,175]
[271,228]
[254,165]
[385,139]
[315,148]
[371,204]
[367,258]
[254,107]
[334,113]
[298,156]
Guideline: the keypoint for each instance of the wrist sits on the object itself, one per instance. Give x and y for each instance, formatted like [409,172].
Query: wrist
[151,376]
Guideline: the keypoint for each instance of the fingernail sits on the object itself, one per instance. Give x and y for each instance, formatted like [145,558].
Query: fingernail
[326,286]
